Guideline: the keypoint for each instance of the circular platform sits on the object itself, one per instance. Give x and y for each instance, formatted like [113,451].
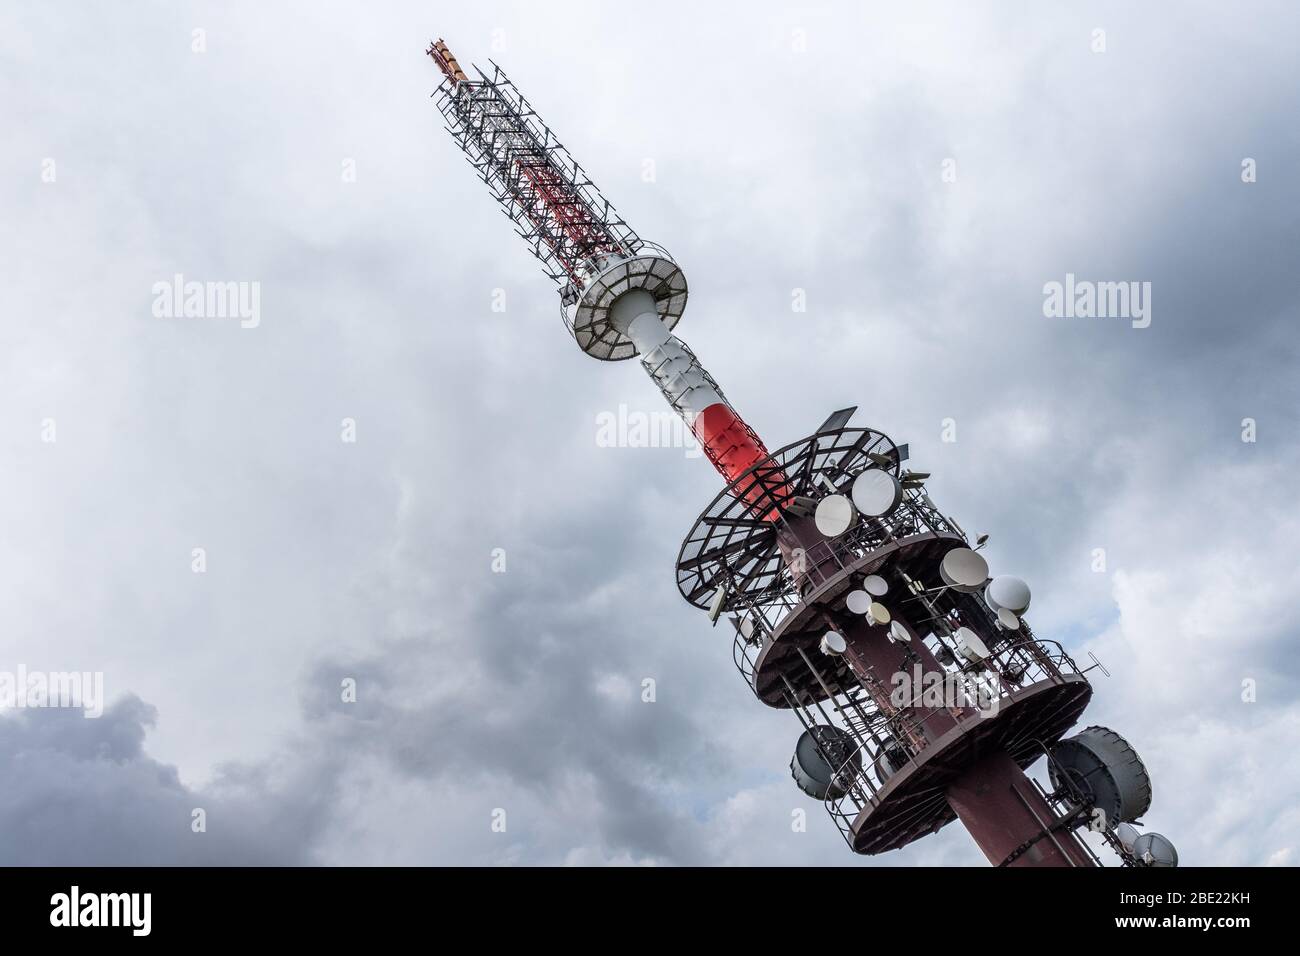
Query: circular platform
[652,269]
[731,542]
[779,659]
[913,801]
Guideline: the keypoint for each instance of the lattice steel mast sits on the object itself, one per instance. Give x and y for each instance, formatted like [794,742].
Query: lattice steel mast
[620,296]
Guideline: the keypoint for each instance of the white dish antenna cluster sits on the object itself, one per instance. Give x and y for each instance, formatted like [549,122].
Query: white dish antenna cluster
[875,493]
[863,601]
[1007,596]
[1150,849]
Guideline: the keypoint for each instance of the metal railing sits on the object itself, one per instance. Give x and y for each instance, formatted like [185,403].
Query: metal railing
[915,514]
[861,778]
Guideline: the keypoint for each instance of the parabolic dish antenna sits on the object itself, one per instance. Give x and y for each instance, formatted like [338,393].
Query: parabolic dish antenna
[1008,619]
[964,570]
[859,602]
[1008,592]
[877,613]
[1155,850]
[899,633]
[875,585]
[833,644]
[876,492]
[1106,770]
[821,757]
[970,646]
[834,515]
[1127,835]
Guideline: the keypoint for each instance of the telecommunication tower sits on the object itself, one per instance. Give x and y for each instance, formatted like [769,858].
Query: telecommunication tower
[856,603]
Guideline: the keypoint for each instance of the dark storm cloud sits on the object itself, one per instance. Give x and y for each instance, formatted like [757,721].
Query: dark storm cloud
[84,793]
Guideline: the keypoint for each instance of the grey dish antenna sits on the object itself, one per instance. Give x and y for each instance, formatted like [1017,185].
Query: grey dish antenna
[1107,772]
[822,755]
[1154,849]
[963,569]
[1006,591]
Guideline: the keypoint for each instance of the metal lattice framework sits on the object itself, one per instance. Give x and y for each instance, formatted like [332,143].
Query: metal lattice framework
[554,206]
[735,546]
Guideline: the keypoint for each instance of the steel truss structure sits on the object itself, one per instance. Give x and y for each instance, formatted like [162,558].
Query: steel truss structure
[553,204]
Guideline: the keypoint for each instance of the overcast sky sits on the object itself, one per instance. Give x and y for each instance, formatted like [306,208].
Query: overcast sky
[791,148]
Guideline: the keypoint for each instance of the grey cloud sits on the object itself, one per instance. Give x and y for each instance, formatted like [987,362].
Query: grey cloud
[775,170]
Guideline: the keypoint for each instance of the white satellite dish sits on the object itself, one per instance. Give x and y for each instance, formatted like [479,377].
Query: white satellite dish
[875,585]
[964,570]
[834,515]
[876,492]
[899,633]
[970,646]
[747,627]
[1127,834]
[833,644]
[1008,619]
[877,613]
[859,602]
[1008,592]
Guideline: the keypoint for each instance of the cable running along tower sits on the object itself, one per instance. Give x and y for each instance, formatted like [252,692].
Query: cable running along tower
[855,602]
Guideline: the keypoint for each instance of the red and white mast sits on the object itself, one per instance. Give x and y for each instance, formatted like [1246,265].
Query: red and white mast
[620,296]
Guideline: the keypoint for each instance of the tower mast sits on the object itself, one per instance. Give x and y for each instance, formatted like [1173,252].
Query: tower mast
[852,596]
